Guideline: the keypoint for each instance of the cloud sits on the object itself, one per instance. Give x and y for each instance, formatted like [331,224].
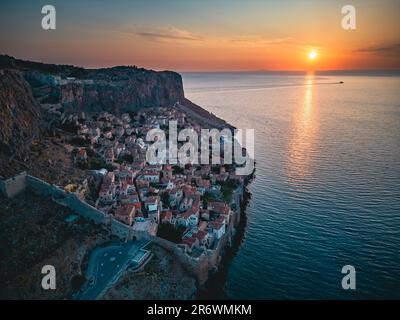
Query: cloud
[176,35]
[262,40]
[167,34]
[382,49]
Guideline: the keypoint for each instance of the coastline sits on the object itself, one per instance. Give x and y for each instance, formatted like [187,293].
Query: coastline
[203,271]
[214,287]
[68,121]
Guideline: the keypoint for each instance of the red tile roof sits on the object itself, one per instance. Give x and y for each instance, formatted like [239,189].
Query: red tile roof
[125,210]
[218,223]
[189,241]
[166,215]
[201,235]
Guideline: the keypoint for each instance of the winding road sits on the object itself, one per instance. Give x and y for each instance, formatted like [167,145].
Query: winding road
[106,264]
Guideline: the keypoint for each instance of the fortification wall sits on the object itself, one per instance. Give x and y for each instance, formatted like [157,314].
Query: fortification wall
[43,188]
[14,185]
[86,210]
[166,244]
[66,199]
[197,266]
[121,230]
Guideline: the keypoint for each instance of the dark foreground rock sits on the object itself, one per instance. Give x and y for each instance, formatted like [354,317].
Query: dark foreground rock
[34,232]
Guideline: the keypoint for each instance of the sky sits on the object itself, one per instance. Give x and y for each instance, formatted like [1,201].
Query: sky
[207,35]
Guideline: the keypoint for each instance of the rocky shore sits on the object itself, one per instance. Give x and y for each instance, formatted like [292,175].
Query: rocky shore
[214,286]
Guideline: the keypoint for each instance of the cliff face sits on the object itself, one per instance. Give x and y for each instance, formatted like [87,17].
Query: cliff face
[127,91]
[28,89]
[115,89]
[25,86]
[19,112]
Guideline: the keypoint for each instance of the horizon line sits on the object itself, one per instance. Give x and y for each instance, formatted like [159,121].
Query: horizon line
[209,71]
[289,71]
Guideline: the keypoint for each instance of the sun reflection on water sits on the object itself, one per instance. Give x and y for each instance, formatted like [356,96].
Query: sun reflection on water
[301,146]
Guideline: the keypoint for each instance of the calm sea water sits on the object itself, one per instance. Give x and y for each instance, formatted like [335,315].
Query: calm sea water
[327,187]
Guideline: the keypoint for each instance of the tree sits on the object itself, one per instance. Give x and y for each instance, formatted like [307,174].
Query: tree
[127,158]
[177,170]
[227,188]
[165,199]
[80,142]
[170,232]
[77,282]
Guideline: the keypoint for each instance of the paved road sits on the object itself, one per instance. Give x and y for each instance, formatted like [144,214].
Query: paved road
[106,265]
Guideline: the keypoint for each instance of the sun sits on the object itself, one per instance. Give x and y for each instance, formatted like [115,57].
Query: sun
[312,55]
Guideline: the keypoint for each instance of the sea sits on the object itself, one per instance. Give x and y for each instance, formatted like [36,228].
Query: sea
[326,190]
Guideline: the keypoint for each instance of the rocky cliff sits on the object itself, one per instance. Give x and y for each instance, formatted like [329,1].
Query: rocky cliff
[19,112]
[26,87]
[116,89]
[28,90]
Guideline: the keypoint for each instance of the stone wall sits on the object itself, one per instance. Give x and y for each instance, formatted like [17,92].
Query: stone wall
[66,199]
[199,267]
[20,182]
[121,230]
[11,187]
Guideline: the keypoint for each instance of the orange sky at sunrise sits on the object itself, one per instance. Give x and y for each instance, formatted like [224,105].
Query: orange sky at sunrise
[207,36]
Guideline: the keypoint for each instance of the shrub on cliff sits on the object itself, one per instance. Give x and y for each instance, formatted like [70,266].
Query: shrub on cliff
[77,281]
[177,170]
[170,232]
